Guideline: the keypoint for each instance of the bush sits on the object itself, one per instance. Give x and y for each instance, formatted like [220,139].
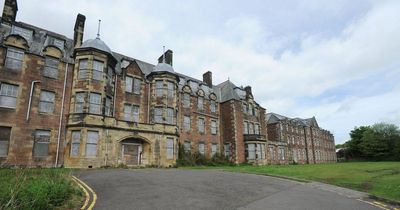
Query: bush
[197,159]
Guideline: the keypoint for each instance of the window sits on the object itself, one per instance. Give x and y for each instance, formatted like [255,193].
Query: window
[5,133]
[41,143]
[110,75]
[246,128]
[136,85]
[256,112]
[171,89]
[91,143]
[170,119]
[56,42]
[75,143]
[244,108]
[186,100]
[158,112]
[8,95]
[26,33]
[51,68]
[258,152]
[214,149]
[251,128]
[170,148]
[227,150]
[257,129]
[128,84]
[213,106]
[159,88]
[200,125]
[186,123]
[213,127]
[131,113]
[251,152]
[14,59]
[83,69]
[187,146]
[79,102]
[282,153]
[95,103]
[200,103]
[98,68]
[46,103]
[201,148]
[262,151]
[108,111]
[271,152]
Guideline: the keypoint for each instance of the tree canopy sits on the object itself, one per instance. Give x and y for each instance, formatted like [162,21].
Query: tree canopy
[380,141]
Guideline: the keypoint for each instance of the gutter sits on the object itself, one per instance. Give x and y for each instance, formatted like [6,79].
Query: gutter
[61,115]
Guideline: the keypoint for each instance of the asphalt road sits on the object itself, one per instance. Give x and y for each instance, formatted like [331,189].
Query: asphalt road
[211,189]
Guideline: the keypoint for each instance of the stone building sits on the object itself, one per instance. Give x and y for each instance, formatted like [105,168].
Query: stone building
[298,140]
[79,104]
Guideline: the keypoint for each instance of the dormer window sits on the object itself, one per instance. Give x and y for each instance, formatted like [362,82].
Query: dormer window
[26,33]
[55,42]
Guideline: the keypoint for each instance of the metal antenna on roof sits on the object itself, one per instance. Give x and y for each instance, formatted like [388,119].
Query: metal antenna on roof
[163,55]
[98,30]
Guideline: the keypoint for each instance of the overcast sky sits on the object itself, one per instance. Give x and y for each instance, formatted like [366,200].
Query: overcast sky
[336,60]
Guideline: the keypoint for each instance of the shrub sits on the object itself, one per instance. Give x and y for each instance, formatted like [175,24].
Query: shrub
[197,159]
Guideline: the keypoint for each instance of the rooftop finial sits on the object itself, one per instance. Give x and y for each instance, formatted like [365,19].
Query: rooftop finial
[98,30]
[163,55]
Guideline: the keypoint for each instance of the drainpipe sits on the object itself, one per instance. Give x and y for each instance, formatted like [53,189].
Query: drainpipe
[30,98]
[61,115]
[115,93]
[148,103]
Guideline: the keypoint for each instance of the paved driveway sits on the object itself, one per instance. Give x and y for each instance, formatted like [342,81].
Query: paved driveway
[211,189]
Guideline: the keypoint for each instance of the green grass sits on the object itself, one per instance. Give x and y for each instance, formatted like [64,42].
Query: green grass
[38,189]
[380,179]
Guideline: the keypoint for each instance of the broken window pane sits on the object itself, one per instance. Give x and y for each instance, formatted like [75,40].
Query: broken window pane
[41,143]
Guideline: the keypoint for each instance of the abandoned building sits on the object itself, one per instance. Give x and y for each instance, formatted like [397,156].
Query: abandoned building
[74,103]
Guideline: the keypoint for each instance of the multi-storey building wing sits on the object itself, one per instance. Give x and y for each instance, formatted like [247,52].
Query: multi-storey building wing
[79,104]
[298,140]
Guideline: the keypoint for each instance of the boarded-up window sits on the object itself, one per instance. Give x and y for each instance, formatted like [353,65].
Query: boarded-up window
[170,148]
[26,33]
[75,143]
[14,59]
[281,153]
[91,143]
[201,148]
[186,100]
[272,152]
[79,102]
[131,113]
[158,112]
[8,95]
[98,69]
[51,67]
[213,106]
[170,119]
[171,89]
[227,150]
[5,133]
[200,125]
[246,128]
[214,149]
[83,69]
[213,127]
[187,146]
[200,103]
[256,128]
[136,85]
[95,103]
[46,103]
[258,151]
[251,128]
[128,84]
[108,108]
[186,123]
[41,143]
[159,88]
[251,151]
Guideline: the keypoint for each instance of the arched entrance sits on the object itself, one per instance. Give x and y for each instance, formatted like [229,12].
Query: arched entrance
[132,151]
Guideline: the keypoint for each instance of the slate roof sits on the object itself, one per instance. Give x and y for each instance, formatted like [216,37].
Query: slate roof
[274,118]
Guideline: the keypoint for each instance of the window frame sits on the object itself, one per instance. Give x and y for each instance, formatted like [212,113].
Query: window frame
[49,68]
[5,138]
[83,69]
[91,143]
[214,127]
[42,102]
[98,73]
[75,143]
[13,95]
[94,105]
[186,100]
[39,142]
[159,88]
[170,148]
[201,125]
[200,103]
[10,60]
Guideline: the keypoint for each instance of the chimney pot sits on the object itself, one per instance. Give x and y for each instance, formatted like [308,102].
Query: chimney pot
[207,78]
[79,29]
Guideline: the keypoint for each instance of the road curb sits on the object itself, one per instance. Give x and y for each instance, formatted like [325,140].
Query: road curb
[89,193]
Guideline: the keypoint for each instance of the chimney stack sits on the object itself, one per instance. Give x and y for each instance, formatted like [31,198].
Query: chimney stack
[168,57]
[78,30]
[207,78]
[248,90]
[9,11]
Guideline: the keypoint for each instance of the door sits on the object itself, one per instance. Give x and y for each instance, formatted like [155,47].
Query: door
[131,154]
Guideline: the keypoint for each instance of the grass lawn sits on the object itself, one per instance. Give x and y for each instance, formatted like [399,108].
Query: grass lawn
[381,179]
[38,189]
